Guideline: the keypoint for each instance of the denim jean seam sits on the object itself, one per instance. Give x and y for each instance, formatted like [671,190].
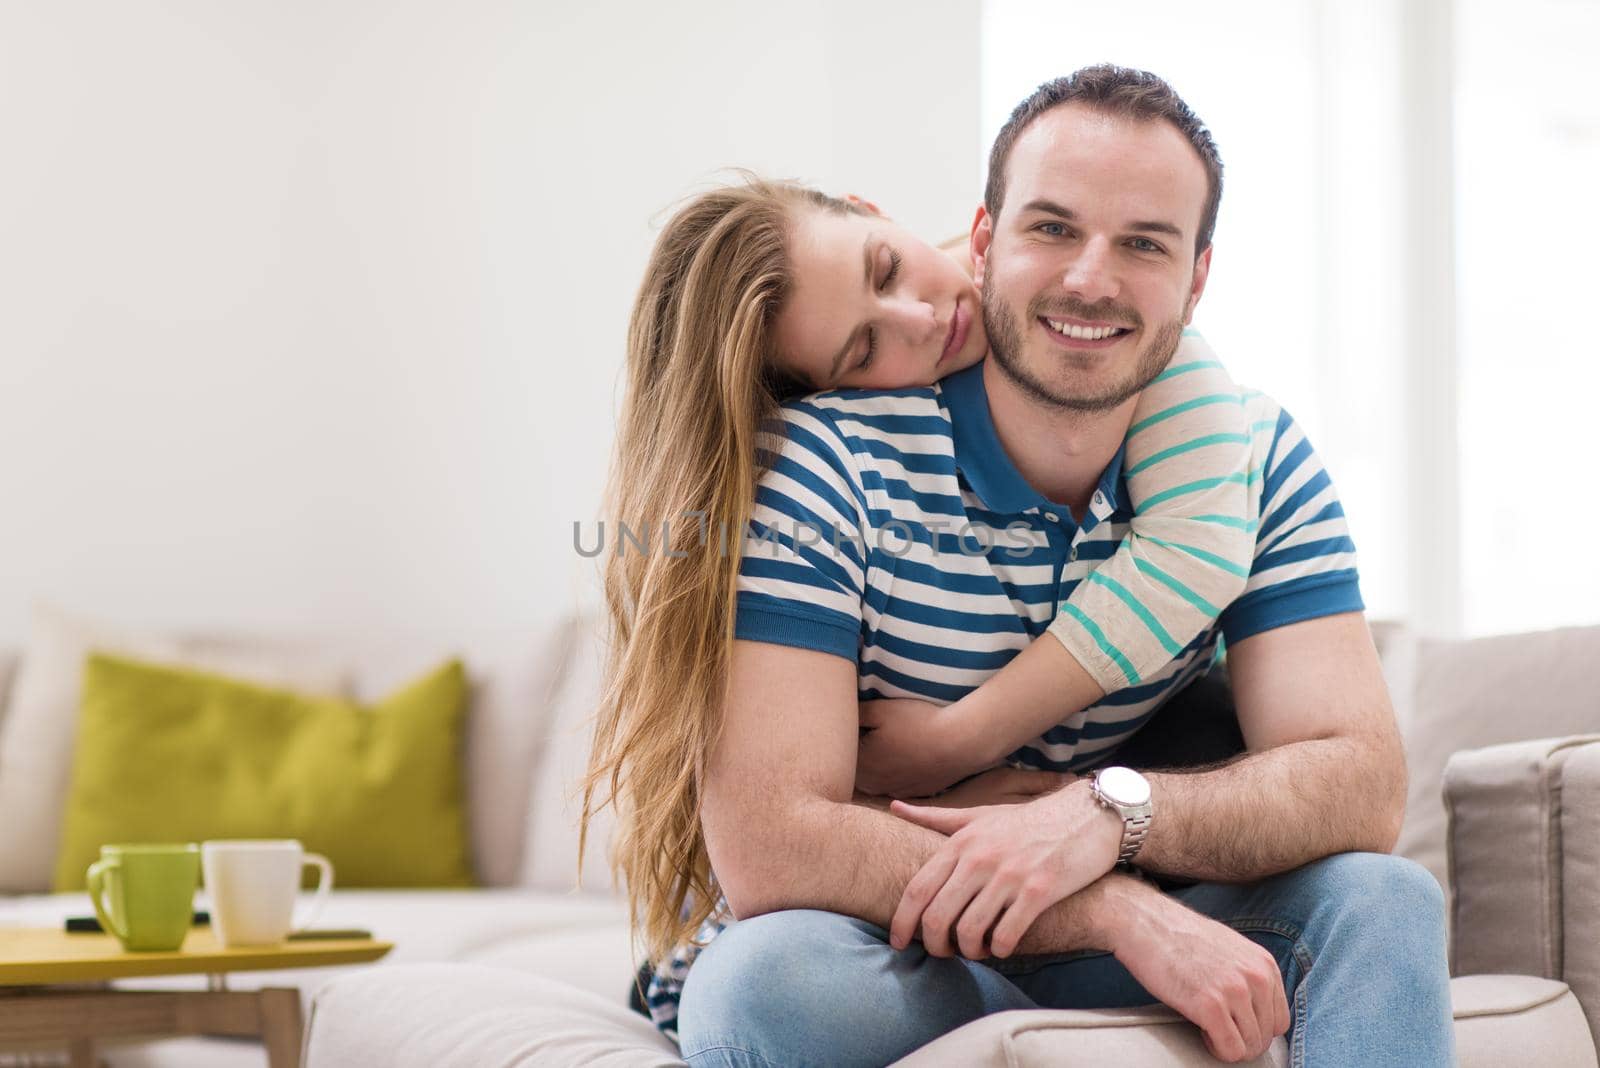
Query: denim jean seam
[1009,966]
[1302,957]
[1270,924]
[1297,1052]
[716,1046]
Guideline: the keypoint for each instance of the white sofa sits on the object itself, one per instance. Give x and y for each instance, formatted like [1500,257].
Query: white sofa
[526,737]
[533,968]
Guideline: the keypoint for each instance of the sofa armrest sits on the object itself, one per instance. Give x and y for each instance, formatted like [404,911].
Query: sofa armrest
[1524,856]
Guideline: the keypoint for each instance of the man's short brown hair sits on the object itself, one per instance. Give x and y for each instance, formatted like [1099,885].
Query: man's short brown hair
[1123,91]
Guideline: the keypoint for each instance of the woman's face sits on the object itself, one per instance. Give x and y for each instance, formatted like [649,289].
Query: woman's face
[874,307]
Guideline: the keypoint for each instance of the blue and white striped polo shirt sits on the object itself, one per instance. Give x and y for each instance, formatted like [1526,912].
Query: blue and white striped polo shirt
[893,530]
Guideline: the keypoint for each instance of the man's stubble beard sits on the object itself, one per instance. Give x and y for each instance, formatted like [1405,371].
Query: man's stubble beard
[1005,344]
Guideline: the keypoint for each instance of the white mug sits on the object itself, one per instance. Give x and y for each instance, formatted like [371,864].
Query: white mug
[252,884]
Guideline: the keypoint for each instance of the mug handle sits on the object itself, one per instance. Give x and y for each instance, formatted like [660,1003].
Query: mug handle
[324,887]
[95,877]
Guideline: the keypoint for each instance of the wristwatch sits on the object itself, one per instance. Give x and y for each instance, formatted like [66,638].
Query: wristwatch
[1127,793]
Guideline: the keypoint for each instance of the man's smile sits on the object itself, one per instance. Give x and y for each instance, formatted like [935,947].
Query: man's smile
[1080,334]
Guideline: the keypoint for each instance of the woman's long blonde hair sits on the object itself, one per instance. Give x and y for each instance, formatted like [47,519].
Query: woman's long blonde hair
[702,392]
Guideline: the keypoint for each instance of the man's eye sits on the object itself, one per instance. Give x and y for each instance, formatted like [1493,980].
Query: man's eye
[1144,244]
[872,348]
[1053,229]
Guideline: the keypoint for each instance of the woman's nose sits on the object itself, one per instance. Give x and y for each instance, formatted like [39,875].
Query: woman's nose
[918,321]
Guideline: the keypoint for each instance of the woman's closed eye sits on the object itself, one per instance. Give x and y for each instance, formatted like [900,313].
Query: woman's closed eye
[894,270]
[872,331]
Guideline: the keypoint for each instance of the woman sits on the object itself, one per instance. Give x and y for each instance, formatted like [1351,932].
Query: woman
[745,299]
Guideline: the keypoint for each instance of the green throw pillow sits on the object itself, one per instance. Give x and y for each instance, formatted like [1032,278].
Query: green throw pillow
[166,754]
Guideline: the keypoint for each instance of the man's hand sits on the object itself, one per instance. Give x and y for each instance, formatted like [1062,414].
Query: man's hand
[1210,974]
[1002,866]
[915,748]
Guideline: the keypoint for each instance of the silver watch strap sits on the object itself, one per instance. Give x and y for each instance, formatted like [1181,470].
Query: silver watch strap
[1133,834]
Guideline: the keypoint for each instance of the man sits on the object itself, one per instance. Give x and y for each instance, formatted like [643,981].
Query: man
[854,942]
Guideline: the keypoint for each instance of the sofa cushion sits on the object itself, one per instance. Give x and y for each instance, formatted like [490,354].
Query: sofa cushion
[598,959]
[1472,694]
[392,1012]
[1519,1019]
[1499,1020]
[1038,1038]
[429,1016]
[169,754]
[37,734]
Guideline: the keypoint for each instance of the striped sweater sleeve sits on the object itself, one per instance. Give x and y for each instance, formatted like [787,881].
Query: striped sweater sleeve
[1188,549]
[802,571]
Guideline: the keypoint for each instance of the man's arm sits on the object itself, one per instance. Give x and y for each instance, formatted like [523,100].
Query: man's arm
[1325,772]
[782,834]
[780,827]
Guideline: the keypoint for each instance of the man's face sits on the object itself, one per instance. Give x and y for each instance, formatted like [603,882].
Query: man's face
[1089,273]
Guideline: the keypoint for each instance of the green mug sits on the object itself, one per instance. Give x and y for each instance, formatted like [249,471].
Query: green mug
[148,893]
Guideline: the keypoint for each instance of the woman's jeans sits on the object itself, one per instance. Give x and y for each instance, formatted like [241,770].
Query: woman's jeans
[1359,938]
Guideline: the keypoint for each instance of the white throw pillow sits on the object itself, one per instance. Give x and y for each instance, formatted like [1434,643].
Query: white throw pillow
[36,737]
[8,666]
[550,857]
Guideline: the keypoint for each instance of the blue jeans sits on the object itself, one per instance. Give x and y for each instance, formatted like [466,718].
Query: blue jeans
[1359,937]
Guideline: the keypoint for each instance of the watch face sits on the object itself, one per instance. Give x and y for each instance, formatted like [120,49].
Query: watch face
[1124,786]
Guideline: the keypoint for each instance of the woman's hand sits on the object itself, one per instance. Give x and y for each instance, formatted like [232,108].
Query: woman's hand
[997,786]
[913,748]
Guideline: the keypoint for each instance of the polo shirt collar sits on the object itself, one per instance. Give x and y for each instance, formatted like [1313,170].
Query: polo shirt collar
[983,460]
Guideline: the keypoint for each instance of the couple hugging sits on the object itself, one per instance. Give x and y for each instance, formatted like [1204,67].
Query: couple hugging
[1000,508]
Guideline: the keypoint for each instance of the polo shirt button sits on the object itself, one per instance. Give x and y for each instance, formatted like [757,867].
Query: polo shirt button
[1099,498]
[1072,557]
[1052,517]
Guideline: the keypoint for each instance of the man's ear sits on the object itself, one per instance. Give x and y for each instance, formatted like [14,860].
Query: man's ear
[1197,286]
[869,205]
[978,243]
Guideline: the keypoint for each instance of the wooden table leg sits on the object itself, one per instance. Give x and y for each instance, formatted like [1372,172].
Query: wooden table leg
[280,1026]
[80,1052]
[80,1017]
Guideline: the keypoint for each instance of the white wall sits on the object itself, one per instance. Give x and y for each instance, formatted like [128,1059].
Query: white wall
[313,313]
[1305,299]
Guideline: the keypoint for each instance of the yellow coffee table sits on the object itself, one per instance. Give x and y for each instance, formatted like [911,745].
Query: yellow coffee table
[54,989]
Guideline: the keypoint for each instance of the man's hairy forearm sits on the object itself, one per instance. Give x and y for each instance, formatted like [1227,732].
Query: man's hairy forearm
[1275,810]
[856,860]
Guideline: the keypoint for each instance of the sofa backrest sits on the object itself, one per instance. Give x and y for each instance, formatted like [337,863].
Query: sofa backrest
[1458,695]
[535,691]
[513,675]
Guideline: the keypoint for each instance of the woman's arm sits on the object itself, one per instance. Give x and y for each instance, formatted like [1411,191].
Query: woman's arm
[1186,556]
[1189,547]
[997,786]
